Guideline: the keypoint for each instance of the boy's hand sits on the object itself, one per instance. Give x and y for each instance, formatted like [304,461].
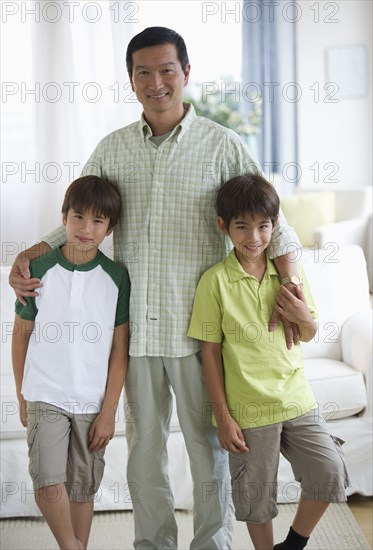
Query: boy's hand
[293,306]
[19,279]
[102,430]
[22,403]
[230,436]
[291,329]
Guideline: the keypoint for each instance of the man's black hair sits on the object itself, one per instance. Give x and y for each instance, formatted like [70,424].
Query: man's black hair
[156,36]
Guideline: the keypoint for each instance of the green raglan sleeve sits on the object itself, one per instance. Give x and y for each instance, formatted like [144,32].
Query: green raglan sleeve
[206,321]
[28,312]
[122,311]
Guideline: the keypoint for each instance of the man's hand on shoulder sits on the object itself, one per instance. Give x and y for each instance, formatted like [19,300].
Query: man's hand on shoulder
[20,277]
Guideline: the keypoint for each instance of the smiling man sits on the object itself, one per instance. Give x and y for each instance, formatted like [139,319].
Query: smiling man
[168,167]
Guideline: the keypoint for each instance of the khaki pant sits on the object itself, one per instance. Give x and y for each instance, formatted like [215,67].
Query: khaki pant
[148,384]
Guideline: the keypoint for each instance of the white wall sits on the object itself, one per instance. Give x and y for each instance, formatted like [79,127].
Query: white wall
[337,133]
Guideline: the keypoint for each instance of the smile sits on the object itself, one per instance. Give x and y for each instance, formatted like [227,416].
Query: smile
[83,240]
[160,96]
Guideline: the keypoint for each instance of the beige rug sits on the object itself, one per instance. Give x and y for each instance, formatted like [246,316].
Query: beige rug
[337,530]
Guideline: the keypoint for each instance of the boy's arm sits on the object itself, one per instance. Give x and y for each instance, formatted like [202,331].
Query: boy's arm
[295,309]
[229,433]
[21,335]
[286,267]
[103,427]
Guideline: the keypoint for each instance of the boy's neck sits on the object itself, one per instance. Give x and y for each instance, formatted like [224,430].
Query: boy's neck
[76,256]
[256,268]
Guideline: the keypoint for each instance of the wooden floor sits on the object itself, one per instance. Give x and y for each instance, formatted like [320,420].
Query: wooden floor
[362,508]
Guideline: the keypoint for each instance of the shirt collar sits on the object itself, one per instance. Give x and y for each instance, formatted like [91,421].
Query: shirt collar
[56,254]
[236,272]
[179,130]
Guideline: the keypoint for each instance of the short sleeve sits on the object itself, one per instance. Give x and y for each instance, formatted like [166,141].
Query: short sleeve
[206,321]
[122,311]
[28,312]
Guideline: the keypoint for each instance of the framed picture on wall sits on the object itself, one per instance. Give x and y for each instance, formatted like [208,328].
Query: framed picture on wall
[346,68]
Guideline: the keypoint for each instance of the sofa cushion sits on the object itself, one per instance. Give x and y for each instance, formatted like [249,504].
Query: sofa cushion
[305,211]
[339,285]
[339,389]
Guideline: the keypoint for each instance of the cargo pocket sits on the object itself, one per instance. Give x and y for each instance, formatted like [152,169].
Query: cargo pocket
[240,489]
[98,471]
[33,451]
[338,446]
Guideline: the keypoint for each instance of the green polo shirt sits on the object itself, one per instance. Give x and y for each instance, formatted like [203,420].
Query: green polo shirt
[264,381]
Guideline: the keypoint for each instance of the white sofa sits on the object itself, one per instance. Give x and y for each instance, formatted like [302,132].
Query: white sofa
[332,218]
[338,364]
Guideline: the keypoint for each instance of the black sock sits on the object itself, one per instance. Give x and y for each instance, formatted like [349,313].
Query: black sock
[293,541]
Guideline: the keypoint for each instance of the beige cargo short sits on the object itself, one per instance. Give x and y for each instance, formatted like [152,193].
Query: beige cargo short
[315,456]
[58,451]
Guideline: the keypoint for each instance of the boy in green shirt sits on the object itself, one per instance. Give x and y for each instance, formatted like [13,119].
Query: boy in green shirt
[262,402]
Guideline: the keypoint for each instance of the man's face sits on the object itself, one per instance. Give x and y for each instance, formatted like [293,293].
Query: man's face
[158,79]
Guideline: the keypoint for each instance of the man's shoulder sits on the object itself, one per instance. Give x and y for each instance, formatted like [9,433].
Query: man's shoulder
[120,133]
[215,127]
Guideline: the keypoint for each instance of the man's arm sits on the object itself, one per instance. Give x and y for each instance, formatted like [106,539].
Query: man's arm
[102,429]
[229,433]
[21,335]
[19,277]
[286,266]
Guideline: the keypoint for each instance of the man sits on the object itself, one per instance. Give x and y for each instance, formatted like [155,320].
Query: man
[168,167]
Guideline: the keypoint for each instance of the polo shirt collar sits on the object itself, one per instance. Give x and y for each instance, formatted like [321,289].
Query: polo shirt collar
[69,266]
[179,130]
[236,272]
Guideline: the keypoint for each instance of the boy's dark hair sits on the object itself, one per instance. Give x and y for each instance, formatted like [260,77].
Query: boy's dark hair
[156,36]
[247,194]
[96,194]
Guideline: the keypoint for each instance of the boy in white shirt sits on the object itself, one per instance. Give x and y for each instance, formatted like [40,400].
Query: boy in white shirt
[70,355]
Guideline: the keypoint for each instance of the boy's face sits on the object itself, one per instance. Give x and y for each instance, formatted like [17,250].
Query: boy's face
[85,231]
[158,78]
[250,235]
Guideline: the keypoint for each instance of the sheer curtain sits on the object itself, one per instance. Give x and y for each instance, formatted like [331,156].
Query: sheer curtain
[270,78]
[65,87]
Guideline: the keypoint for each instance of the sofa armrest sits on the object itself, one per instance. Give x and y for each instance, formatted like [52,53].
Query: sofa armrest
[341,233]
[356,343]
